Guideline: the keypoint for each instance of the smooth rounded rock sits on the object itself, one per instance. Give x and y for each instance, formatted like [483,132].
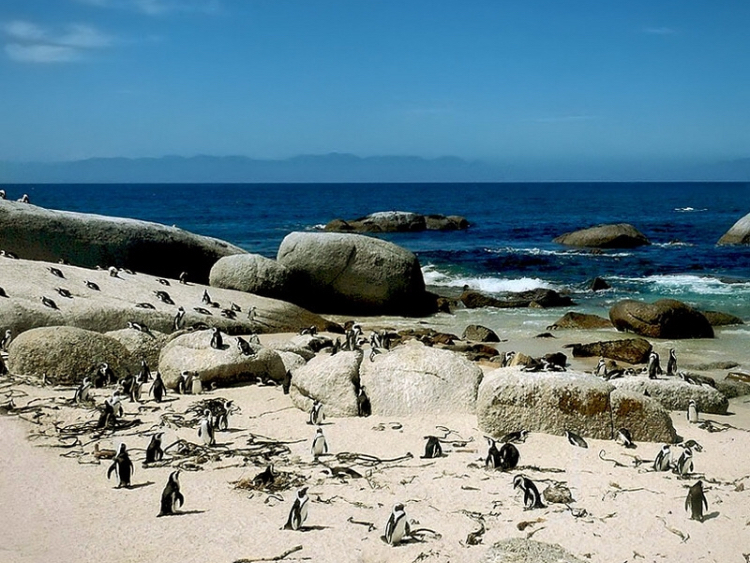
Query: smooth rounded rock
[645,417]
[675,394]
[621,235]
[479,333]
[141,346]
[332,380]
[665,318]
[584,321]
[739,233]
[630,350]
[253,273]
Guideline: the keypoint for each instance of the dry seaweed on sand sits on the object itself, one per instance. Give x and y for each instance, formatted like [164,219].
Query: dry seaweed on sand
[282,481]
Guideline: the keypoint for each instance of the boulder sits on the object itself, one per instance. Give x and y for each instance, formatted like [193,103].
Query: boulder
[224,367]
[398,221]
[675,394]
[630,350]
[535,297]
[549,402]
[479,333]
[415,379]
[253,273]
[645,417]
[67,354]
[82,239]
[291,360]
[115,303]
[599,284]
[292,346]
[621,235]
[717,318]
[354,274]
[739,233]
[521,550]
[665,318]
[580,321]
[141,346]
[332,380]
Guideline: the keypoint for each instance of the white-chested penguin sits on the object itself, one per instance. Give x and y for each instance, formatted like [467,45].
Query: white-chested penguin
[624,438]
[601,368]
[319,445]
[531,497]
[217,342]
[432,448]
[154,451]
[83,392]
[517,437]
[316,413]
[158,389]
[492,461]
[662,461]
[397,527]
[692,411]
[364,407]
[179,318]
[298,512]
[196,386]
[672,363]
[244,347]
[575,440]
[695,501]
[206,429]
[6,340]
[144,376]
[653,367]
[171,495]
[684,466]
[122,466]
[222,421]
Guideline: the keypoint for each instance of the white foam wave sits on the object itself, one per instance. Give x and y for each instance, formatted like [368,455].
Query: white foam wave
[432,276]
[684,284]
[547,252]
[689,209]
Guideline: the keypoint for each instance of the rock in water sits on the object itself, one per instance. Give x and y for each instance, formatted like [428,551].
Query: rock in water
[630,350]
[621,235]
[665,318]
[739,233]
[478,333]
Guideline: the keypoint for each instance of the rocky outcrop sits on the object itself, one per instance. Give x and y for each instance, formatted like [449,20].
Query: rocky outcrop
[332,380]
[67,354]
[580,321]
[739,233]
[142,346]
[666,318]
[717,318]
[253,273]
[630,350]
[123,298]
[354,274]
[398,221]
[646,418]
[621,235]
[82,239]
[599,284]
[549,402]
[220,367]
[675,394]
[479,333]
[533,298]
[413,379]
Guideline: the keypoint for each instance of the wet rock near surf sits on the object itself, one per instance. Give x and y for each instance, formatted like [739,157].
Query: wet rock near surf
[621,235]
[718,318]
[398,222]
[544,298]
[583,321]
[739,233]
[630,350]
[479,333]
[665,318]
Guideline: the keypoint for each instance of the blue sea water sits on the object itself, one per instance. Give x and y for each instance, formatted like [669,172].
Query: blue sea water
[509,245]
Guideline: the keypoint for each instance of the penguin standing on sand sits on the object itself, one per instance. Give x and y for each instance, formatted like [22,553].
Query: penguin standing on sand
[217,342]
[158,389]
[319,445]
[83,393]
[171,495]
[653,368]
[364,408]
[508,457]
[684,466]
[179,318]
[624,438]
[661,463]
[104,375]
[206,429]
[493,455]
[316,413]
[154,452]
[692,411]
[122,466]
[672,363]
[433,448]
[144,376]
[286,383]
[695,501]
[397,528]
[531,497]
[196,386]
[298,513]
[222,421]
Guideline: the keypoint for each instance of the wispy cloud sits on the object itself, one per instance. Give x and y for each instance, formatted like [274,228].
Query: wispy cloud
[31,43]
[659,30]
[159,7]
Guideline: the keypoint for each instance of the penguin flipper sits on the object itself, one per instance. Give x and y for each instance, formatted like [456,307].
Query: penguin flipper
[112,468]
[178,496]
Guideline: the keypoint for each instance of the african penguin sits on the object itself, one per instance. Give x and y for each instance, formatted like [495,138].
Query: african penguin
[171,495]
[158,389]
[122,466]
[397,528]
[672,362]
[319,445]
[531,497]
[661,463]
[316,413]
[692,411]
[154,452]
[695,501]
[433,448]
[575,440]
[217,343]
[298,512]
[206,429]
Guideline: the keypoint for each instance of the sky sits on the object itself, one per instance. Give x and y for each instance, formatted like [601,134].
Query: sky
[537,82]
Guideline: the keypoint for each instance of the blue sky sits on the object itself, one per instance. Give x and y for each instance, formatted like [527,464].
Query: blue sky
[542,82]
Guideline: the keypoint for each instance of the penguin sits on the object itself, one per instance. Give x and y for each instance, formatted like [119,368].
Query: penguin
[24,198]
[163,281]
[265,477]
[206,429]
[113,272]
[316,414]
[672,362]
[319,445]
[144,376]
[64,292]
[244,346]
[508,456]
[661,463]
[164,297]
[575,440]
[531,497]
[693,445]
[185,383]
[222,421]
[3,367]
[206,298]
[83,393]
[695,501]
[310,330]
[624,438]
[8,254]
[158,389]
[692,411]
[397,528]
[493,454]
[183,278]
[196,387]
[108,417]
[601,368]
[47,302]
[653,367]
[154,452]
[3,293]
[122,466]
[140,327]
[684,465]
[517,437]
[228,314]
[2,194]
[56,272]
[179,318]
[433,448]
[251,313]
[6,340]
[217,342]
[92,285]
[364,408]
[145,306]
[171,495]
[298,513]
[286,383]
[508,358]
[105,375]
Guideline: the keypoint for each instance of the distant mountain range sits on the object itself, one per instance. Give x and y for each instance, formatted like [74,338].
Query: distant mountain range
[339,167]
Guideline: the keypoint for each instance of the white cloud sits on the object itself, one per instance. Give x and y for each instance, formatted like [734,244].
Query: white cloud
[31,43]
[159,7]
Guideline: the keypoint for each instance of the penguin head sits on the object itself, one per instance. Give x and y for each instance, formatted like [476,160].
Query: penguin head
[302,493]
[175,476]
[398,507]
[122,448]
[518,481]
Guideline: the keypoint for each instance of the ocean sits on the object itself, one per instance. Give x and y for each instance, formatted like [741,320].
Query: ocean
[508,246]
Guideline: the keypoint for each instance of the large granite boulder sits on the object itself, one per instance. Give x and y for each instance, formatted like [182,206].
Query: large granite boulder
[479,333]
[548,402]
[719,318]
[255,274]
[739,233]
[398,221]
[121,299]
[142,346]
[675,394]
[665,318]
[413,379]
[630,350]
[645,417]
[332,380]
[621,235]
[582,321]
[533,298]
[220,367]
[35,233]
[354,274]
[67,354]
